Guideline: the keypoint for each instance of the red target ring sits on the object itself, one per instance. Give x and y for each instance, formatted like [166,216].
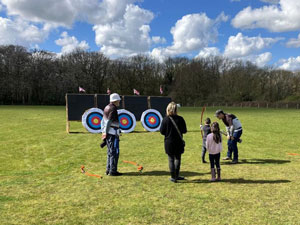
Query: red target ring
[96,121]
[152,120]
[91,120]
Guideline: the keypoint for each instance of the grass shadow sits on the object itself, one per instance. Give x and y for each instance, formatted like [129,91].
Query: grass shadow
[239,181]
[140,131]
[258,161]
[163,173]
[79,132]
[264,161]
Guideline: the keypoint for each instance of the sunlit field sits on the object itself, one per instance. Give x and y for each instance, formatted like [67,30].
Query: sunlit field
[41,181]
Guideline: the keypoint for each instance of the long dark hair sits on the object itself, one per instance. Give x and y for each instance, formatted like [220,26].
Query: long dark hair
[215,129]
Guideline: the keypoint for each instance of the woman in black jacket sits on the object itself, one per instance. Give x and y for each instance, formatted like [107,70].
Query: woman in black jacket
[174,144]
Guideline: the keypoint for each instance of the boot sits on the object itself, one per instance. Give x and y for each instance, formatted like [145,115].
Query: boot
[173,177]
[213,175]
[203,159]
[178,177]
[219,174]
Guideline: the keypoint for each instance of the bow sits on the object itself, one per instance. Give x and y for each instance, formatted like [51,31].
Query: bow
[202,113]
[89,174]
[139,167]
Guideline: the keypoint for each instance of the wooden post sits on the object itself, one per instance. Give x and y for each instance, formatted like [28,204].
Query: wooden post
[67,117]
[287,105]
[149,102]
[297,105]
[267,105]
[123,102]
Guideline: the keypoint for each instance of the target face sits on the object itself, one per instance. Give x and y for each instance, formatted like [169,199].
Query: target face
[151,120]
[91,120]
[127,121]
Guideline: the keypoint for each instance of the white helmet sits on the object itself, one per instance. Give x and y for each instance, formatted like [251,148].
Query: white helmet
[114,97]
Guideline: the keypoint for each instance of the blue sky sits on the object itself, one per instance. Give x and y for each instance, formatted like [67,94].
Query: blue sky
[262,31]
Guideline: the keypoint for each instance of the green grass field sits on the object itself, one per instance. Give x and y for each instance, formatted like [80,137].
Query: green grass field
[41,183]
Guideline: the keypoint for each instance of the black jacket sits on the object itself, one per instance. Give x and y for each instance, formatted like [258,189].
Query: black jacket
[173,142]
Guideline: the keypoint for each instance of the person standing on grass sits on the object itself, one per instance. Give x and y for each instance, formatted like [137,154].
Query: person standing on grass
[234,133]
[206,131]
[111,133]
[214,147]
[173,127]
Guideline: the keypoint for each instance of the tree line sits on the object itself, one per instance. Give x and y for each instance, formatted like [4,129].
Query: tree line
[43,78]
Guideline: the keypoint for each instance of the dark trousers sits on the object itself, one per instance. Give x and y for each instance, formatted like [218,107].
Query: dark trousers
[215,160]
[232,145]
[113,153]
[174,165]
[203,152]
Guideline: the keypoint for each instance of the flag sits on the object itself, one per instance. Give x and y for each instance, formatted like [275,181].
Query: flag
[81,90]
[136,92]
[108,91]
[161,90]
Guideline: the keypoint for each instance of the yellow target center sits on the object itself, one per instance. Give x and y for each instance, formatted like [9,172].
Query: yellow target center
[96,120]
[152,120]
[124,121]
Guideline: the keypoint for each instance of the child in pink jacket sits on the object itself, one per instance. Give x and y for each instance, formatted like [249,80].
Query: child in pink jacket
[214,148]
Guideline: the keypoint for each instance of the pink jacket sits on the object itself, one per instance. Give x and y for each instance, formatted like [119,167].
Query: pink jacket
[212,147]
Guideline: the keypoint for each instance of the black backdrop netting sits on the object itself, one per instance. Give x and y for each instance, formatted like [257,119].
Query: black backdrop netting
[136,105]
[102,101]
[77,104]
[160,104]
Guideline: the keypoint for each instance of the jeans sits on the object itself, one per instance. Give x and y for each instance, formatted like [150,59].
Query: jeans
[113,153]
[174,165]
[215,160]
[232,145]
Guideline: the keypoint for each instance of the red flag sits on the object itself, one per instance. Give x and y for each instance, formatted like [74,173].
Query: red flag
[108,91]
[136,92]
[81,90]
[161,90]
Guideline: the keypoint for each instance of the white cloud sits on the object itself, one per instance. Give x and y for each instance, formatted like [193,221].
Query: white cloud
[121,28]
[241,46]
[294,42]
[66,12]
[262,59]
[19,32]
[128,36]
[55,11]
[271,1]
[69,44]
[207,52]
[158,40]
[292,63]
[276,18]
[191,33]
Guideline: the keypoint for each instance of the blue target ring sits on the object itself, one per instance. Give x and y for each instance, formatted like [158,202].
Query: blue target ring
[127,121]
[151,120]
[91,120]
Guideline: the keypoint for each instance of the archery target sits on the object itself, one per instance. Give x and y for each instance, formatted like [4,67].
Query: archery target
[151,120]
[127,121]
[91,120]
